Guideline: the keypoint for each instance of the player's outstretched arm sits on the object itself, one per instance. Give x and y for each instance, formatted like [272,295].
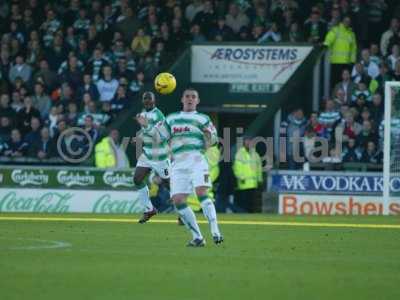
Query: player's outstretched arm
[210,134]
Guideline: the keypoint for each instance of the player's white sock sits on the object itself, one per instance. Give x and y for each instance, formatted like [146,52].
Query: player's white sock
[144,196]
[189,219]
[211,215]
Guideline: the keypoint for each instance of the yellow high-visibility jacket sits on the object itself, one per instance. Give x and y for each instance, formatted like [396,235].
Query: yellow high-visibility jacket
[104,154]
[342,44]
[247,168]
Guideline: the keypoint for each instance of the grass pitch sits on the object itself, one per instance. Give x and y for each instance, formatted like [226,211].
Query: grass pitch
[264,257]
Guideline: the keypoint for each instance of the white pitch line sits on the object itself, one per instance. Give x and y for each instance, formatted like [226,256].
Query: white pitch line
[50,244]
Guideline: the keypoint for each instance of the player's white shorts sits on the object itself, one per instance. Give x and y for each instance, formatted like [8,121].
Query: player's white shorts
[161,167]
[188,172]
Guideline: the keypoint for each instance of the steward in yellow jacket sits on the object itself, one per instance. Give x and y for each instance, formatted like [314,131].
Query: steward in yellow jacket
[108,154]
[342,43]
[247,169]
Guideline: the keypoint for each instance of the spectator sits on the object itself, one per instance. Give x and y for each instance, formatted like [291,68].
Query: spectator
[82,53]
[346,85]
[16,103]
[72,114]
[5,130]
[295,34]
[361,90]
[394,57]
[123,71]
[221,32]
[59,129]
[396,72]
[71,40]
[369,66]
[378,84]
[236,19]
[50,26]
[88,87]
[97,118]
[295,129]
[371,155]
[177,38]
[137,85]
[90,128]
[316,126]
[350,128]
[25,115]
[96,64]
[5,108]
[376,108]
[141,42]
[329,117]
[53,119]
[376,9]
[107,86]
[366,135]
[44,147]
[359,74]
[359,13]
[160,55]
[205,18]
[193,9]
[272,35]
[342,50]
[45,76]
[120,100]
[374,54]
[196,34]
[350,153]
[315,28]
[81,25]
[56,53]
[20,70]
[388,34]
[41,101]
[16,147]
[73,72]
[149,67]
[34,133]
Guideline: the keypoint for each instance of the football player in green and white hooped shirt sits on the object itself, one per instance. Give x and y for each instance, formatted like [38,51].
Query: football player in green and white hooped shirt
[155,155]
[188,133]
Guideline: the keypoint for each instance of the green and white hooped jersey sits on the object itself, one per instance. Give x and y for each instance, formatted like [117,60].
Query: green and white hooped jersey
[184,131]
[154,149]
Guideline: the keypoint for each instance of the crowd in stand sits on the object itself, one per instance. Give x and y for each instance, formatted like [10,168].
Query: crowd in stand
[80,63]
[366,56]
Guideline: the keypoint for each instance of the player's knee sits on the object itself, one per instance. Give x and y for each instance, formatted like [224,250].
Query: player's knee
[178,199]
[201,191]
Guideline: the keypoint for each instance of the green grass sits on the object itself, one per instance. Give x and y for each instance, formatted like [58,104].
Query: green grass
[115,260]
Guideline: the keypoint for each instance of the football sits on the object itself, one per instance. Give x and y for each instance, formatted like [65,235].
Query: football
[165,83]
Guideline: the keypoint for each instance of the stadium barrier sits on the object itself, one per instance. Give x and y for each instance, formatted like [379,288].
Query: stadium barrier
[330,193]
[67,190]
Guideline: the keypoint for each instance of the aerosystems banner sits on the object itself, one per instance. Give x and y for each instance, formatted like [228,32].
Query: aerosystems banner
[349,184]
[327,205]
[246,64]
[69,201]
